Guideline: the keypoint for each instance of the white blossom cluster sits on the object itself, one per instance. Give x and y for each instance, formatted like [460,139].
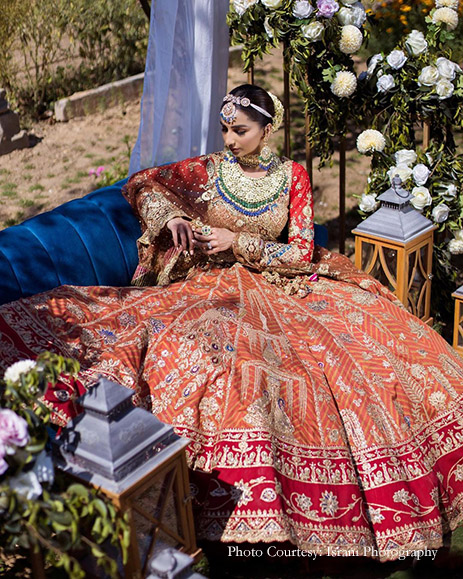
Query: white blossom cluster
[412,174]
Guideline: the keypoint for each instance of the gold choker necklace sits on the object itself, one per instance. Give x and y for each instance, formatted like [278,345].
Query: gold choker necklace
[249,160]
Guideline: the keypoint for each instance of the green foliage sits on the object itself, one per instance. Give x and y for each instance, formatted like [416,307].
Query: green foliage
[313,59]
[410,100]
[64,519]
[97,41]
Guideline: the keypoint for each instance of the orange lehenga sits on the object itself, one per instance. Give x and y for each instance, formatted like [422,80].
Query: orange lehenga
[325,413]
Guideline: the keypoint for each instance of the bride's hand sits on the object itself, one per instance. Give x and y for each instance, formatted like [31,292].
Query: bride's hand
[182,234]
[219,240]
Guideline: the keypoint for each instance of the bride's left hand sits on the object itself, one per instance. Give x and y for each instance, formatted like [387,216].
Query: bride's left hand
[219,240]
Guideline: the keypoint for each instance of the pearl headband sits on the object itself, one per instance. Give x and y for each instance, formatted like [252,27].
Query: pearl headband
[228,112]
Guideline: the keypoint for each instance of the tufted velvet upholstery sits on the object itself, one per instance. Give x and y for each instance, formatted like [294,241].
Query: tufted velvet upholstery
[87,241]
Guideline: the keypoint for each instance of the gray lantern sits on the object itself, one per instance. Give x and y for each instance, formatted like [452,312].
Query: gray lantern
[139,463]
[395,245]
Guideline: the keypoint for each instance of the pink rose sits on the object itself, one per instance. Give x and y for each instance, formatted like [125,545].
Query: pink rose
[13,429]
[327,8]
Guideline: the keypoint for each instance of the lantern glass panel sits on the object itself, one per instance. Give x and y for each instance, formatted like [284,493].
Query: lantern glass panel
[381,263]
[417,277]
[155,504]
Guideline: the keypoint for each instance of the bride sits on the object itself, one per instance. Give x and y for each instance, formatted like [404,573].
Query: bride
[319,411]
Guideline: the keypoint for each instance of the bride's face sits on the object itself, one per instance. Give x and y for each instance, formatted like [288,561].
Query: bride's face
[244,136]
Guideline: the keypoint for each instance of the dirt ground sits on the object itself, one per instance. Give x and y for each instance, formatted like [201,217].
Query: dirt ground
[56,167]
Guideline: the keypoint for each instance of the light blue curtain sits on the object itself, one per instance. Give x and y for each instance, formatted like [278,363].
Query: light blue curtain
[185,81]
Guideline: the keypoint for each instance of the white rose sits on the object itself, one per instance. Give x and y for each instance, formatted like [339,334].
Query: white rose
[351,39]
[421,198]
[403,171]
[359,14]
[373,62]
[268,28]
[420,174]
[447,192]
[416,42]
[447,69]
[368,203]
[385,83]
[396,59]
[272,3]
[447,4]
[370,140]
[302,9]
[240,6]
[440,213]
[345,15]
[313,31]
[429,75]
[444,89]
[344,84]
[405,157]
[354,14]
[447,16]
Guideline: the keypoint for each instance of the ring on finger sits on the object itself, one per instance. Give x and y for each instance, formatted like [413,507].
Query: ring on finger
[209,245]
[206,230]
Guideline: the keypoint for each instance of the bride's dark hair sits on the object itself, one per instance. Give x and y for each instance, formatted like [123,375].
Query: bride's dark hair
[259,97]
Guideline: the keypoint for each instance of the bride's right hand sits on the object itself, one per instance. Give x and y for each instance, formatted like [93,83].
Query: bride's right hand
[182,234]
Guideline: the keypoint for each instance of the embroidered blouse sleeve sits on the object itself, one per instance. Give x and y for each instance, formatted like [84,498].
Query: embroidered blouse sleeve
[286,258]
[159,194]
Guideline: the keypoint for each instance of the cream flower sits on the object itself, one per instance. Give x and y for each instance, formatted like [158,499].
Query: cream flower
[272,3]
[447,68]
[447,4]
[405,157]
[302,9]
[368,203]
[420,174]
[369,141]
[447,16]
[416,42]
[13,373]
[440,213]
[444,89]
[402,170]
[429,75]
[385,83]
[313,31]
[241,6]
[351,39]
[344,84]
[396,59]
[421,198]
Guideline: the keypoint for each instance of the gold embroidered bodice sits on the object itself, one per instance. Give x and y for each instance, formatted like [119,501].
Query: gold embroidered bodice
[272,188]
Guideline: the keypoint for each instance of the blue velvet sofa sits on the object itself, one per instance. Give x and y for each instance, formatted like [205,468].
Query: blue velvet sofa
[87,241]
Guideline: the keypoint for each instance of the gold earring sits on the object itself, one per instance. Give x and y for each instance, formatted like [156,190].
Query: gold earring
[265,157]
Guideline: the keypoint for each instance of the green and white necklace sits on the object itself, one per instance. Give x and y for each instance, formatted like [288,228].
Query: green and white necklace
[250,196]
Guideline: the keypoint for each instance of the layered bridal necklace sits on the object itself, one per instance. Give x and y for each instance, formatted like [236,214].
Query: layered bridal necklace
[248,195]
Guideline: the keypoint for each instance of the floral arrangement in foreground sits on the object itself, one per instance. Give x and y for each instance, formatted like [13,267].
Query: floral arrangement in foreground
[319,38]
[39,507]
